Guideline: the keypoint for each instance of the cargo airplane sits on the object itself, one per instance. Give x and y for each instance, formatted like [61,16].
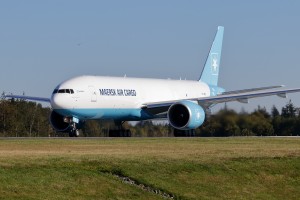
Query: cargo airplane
[184,103]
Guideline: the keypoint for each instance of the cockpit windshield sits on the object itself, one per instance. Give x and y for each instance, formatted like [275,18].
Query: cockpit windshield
[69,91]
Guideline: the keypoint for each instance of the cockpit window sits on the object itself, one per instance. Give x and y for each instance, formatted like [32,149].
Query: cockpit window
[69,91]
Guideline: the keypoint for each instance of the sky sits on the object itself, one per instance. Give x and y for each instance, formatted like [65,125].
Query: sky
[43,43]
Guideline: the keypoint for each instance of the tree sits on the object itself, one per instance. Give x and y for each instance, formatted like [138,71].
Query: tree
[289,110]
[274,112]
[262,111]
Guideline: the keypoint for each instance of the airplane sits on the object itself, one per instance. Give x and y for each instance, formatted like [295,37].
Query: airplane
[184,103]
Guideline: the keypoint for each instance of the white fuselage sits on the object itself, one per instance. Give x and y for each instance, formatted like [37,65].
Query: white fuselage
[98,97]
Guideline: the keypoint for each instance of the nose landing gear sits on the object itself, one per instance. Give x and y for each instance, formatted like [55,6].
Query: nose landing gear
[74,132]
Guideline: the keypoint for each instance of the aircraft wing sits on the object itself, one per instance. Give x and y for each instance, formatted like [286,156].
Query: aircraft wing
[245,96]
[252,89]
[240,95]
[28,98]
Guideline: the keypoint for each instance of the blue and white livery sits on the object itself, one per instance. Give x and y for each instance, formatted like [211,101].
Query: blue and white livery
[184,103]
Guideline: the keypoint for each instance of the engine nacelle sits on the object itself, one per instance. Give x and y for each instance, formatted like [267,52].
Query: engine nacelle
[186,115]
[59,123]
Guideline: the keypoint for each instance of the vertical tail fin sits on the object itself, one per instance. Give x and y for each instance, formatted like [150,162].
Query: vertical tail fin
[210,71]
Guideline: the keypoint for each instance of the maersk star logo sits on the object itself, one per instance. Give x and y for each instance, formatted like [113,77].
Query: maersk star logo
[214,63]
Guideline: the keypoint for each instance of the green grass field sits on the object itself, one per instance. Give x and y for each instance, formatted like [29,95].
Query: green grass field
[187,168]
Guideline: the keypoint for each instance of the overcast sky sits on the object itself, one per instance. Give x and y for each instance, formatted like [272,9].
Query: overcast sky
[43,43]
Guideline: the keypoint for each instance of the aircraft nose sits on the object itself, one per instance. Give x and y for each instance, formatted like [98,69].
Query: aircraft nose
[58,101]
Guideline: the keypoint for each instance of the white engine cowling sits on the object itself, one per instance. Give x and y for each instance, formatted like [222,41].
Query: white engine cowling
[186,115]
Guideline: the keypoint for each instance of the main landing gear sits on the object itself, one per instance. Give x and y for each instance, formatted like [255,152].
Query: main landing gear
[120,131]
[184,133]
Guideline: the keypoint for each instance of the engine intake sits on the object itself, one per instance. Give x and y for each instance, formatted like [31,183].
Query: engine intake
[186,115]
[58,122]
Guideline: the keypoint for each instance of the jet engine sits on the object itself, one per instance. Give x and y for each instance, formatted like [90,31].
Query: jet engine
[186,115]
[69,125]
[59,122]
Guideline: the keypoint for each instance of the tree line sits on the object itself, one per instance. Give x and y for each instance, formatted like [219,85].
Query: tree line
[19,118]
[228,122]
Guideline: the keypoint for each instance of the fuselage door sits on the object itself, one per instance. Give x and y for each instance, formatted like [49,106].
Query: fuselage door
[93,93]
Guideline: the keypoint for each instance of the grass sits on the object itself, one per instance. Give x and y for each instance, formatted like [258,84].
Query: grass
[189,168]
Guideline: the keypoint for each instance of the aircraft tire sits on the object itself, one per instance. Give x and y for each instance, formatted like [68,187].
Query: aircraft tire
[73,133]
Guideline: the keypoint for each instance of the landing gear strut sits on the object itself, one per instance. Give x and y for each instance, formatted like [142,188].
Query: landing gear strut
[74,132]
[120,131]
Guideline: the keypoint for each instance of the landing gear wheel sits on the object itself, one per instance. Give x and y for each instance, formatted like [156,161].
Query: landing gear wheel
[184,133]
[120,131]
[74,133]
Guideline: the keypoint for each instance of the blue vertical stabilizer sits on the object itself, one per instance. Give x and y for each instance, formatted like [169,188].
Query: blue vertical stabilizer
[210,71]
